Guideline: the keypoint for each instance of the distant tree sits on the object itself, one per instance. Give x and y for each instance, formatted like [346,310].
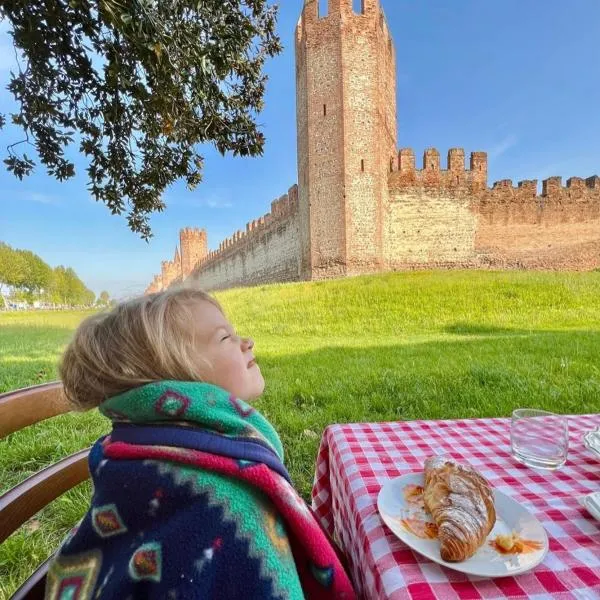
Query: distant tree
[37,273]
[68,289]
[139,84]
[58,292]
[29,278]
[13,266]
[104,298]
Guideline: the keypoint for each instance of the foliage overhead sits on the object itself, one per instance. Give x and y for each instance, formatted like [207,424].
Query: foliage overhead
[138,85]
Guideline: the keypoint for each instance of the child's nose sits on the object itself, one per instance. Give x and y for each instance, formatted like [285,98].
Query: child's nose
[248,343]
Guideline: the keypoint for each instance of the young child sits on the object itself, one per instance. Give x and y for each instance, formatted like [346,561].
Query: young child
[191,497]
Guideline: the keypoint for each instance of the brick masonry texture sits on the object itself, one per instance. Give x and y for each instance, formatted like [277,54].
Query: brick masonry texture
[362,206]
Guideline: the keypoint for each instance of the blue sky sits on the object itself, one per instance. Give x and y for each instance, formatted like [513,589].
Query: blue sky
[516,78]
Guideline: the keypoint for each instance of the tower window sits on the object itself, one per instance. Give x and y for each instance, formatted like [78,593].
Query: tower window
[324,110]
[323,8]
[358,6]
[362,165]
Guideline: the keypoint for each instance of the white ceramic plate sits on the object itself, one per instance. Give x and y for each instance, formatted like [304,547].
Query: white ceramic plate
[487,561]
[591,441]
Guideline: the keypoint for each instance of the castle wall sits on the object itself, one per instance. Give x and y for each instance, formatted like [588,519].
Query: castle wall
[430,220]
[362,207]
[557,229]
[451,218]
[267,252]
[170,271]
[155,286]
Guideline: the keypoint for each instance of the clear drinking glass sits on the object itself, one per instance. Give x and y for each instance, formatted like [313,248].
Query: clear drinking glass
[539,439]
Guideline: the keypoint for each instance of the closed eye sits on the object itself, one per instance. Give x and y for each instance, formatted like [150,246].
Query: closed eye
[225,337]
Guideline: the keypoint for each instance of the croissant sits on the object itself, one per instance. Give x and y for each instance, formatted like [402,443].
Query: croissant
[461,503]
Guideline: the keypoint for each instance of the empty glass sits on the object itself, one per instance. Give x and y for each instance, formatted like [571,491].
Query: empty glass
[538,438]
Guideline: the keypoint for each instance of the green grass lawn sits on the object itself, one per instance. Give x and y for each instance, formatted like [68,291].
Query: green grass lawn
[423,345]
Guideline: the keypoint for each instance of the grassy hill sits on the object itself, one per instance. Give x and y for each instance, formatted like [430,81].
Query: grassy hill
[422,345]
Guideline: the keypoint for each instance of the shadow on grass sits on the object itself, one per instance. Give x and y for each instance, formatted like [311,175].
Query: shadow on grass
[449,378]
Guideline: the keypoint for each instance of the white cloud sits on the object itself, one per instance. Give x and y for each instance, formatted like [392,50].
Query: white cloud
[212,200]
[502,146]
[216,203]
[28,196]
[40,198]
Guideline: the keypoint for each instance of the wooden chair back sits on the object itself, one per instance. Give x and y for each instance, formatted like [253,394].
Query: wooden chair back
[18,410]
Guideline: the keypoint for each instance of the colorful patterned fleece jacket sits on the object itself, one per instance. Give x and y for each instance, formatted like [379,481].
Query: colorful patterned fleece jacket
[192,501]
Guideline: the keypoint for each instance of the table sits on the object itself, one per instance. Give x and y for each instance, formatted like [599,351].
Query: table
[356,459]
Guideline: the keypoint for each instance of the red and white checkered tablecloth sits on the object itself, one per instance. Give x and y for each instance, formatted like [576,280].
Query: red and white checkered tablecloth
[356,459]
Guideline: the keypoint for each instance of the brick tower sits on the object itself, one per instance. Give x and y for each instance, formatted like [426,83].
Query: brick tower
[194,249]
[346,119]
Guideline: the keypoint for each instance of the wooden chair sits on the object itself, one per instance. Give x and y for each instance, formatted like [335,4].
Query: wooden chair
[18,410]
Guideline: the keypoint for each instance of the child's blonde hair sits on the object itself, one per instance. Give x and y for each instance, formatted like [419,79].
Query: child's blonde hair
[150,338]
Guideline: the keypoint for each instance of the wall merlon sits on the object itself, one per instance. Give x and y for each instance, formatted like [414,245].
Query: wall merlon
[593,182]
[280,207]
[502,184]
[551,186]
[478,161]
[310,12]
[431,160]
[370,7]
[528,186]
[576,183]
[456,159]
[406,160]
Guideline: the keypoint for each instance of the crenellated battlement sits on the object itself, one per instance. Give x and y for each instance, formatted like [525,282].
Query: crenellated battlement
[155,286]
[577,189]
[320,10]
[282,209]
[192,233]
[405,175]
[320,17]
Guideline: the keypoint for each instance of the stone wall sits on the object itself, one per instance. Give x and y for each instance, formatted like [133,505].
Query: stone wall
[557,229]
[430,220]
[267,252]
[171,270]
[450,218]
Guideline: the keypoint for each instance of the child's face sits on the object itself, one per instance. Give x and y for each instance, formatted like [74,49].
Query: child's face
[232,360]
